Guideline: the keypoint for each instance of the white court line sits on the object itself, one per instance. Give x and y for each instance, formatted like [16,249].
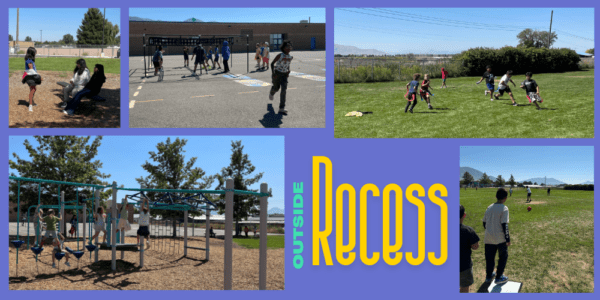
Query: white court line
[136,93]
[202,96]
[139,87]
[131,104]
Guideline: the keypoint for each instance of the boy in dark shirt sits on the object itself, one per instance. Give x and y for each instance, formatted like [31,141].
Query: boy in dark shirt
[532,90]
[489,81]
[411,93]
[200,54]
[468,240]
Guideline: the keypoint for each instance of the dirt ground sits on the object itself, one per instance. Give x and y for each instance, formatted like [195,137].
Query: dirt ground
[164,269]
[48,114]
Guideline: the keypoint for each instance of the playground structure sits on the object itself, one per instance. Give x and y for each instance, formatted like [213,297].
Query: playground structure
[179,40]
[193,201]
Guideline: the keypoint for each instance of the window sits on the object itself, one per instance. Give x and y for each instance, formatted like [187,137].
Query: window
[276,41]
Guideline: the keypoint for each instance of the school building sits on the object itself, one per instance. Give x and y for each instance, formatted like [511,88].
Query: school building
[304,36]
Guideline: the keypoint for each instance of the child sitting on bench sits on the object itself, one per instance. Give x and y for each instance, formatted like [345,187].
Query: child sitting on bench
[91,90]
[81,76]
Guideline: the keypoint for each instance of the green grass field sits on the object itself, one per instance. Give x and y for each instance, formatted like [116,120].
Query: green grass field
[552,247]
[463,111]
[64,64]
[273,241]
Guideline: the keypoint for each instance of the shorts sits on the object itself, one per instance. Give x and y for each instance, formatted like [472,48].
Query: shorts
[199,60]
[466,278]
[490,86]
[99,228]
[528,194]
[423,93]
[266,59]
[534,97]
[31,82]
[50,233]
[209,57]
[411,96]
[185,56]
[156,64]
[505,90]
[256,56]
[443,79]
[143,231]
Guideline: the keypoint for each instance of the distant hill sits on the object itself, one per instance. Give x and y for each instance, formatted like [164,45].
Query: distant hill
[193,20]
[132,18]
[275,210]
[476,173]
[540,180]
[588,182]
[347,50]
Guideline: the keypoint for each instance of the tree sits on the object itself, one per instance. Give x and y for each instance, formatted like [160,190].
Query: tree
[535,183]
[512,181]
[171,171]
[588,51]
[529,38]
[467,179]
[485,179]
[10,38]
[91,29]
[60,158]
[240,169]
[68,39]
[28,39]
[500,181]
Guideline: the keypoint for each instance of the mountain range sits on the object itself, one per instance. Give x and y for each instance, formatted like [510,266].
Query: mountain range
[275,210]
[347,50]
[475,173]
[549,181]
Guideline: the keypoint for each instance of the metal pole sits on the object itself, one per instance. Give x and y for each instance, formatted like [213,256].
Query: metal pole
[84,220]
[17,40]
[141,251]
[247,55]
[113,229]
[144,43]
[185,225]
[97,204]
[262,263]
[228,234]
[63,229]
[207,233]
[550,32]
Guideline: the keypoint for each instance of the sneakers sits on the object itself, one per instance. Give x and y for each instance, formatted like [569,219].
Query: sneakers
[496,97]
[410,110]
[270,96]
[515,104]
[283,111]
[63,105]
[485,92]
[53,265]
[491,99]
[30,108]
[68,264]
[430,107]
[500,280]
[489,279]
[68,112]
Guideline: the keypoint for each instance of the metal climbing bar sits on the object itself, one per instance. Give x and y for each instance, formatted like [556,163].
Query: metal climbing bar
[56,182]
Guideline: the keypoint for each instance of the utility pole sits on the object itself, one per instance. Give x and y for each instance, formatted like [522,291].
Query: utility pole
[40,36]
[17,42]
[550,33]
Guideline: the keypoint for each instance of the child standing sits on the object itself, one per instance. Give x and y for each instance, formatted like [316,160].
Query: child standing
[411,93]
[532,90]
[497,238]
[489,82]
[266,55]
[208,57]
[444,75]
[258,55]
[469,240]
[216,61]
[157,60]
[226,54]
[100,224]
[425,93]
[200,54]
[280,70]
[528,194]
[124,219]
[504,88]
[186,58]
[31,77]
[51,221]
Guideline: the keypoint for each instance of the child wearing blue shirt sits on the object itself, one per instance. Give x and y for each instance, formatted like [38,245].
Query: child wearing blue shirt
[30,76]
[226,54]
[411,93]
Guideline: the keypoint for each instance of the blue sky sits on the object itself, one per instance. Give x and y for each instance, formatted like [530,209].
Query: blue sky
[122,157]
[452,30]
[568,164]
[55,22]
[239,15]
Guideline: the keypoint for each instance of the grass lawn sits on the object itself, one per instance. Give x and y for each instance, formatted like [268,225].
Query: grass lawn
[463,111]
[552,247]
[273,241]
[66,64]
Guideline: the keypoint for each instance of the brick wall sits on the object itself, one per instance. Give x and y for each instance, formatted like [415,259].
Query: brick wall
[299,34]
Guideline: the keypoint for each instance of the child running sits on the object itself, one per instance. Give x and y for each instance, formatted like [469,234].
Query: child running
[157,60]
[186,58]
[411,93]
[59,245]
[208,57]
[280,70]
[216,60]
[266,55]
[497,238]
[30,76]
[504,88]
[100,224]
[425,93]
[489,82]
[444,75]
[199,53]
[532,90]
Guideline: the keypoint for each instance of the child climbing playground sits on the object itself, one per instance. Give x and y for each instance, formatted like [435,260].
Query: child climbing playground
[144,223]
[100,224]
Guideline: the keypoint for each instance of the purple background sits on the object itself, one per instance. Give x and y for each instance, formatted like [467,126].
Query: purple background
[358,162]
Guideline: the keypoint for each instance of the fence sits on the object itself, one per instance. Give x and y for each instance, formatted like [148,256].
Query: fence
[377,69]
[71,51]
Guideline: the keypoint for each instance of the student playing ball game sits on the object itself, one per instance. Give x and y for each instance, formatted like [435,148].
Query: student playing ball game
[411,93]
[532,90]
[497,238]
[489,82]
